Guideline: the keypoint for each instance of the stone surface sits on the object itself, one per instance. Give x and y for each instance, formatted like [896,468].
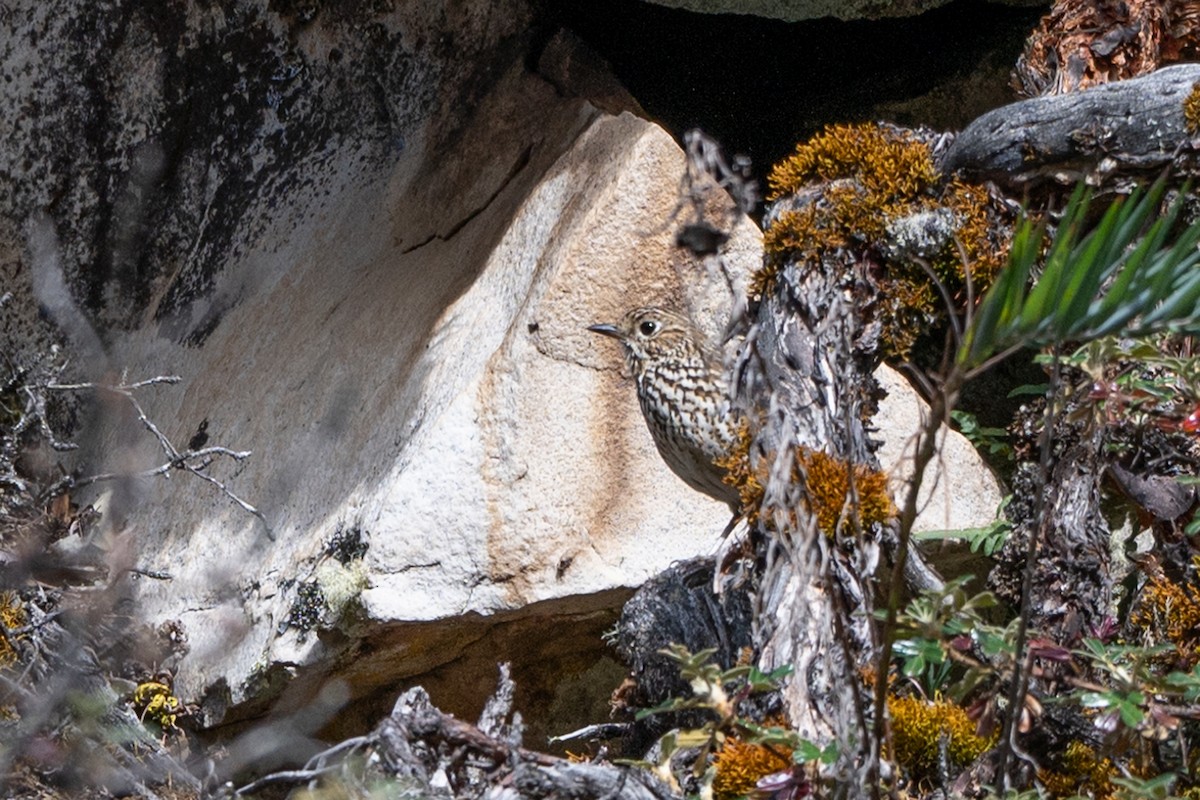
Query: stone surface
[369,240]
[480,440]
[959,491]
[795,10]
[370,243]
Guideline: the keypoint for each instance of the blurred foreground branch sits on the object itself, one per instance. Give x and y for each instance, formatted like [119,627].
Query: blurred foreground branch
[427,753]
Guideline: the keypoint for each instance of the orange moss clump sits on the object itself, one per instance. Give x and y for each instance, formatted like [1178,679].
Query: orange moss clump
[1082,773]
[886,163]
[827,482]
[918,727]
[1170,612]
[985,252]
[13,616]
[1191,110]
[828,485]
[856,181]
[741,476]
[870,174]
[740,766]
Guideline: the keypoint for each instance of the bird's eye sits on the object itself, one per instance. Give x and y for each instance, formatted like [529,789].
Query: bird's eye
[648,327]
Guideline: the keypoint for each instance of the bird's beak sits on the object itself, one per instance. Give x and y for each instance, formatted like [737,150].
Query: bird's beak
[606,329]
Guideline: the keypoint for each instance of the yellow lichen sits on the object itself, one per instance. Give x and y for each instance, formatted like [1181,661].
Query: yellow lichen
[1082,773]
[154,701]
[740,766]
[13,617]
[919,726]
[1191,110]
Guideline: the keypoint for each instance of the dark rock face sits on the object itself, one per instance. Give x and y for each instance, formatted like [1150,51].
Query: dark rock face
[157,136]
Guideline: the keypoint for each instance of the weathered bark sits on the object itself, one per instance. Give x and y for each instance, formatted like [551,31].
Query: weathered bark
[566,781]
[1090,42]
[677,606]
[808,363]
[428,753]
[1071,583]
[420,741]
[1136,126]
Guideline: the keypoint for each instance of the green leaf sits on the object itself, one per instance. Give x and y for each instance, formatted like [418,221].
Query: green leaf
[1067,266]
[982,335]
[805,752]
[1131,275]
[1159,786]
[1131,709]
[693,737]
[1038,389]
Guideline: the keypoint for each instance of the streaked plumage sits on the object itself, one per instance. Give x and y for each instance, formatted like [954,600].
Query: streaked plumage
[682,392]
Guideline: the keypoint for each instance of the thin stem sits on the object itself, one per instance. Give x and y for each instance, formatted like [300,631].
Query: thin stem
[940,405]
[1020,679]
[947,300]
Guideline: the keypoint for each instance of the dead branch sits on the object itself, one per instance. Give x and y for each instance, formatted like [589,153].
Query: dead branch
[1135,126]
[440,756]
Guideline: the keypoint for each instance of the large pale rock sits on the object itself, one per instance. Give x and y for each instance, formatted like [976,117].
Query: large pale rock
[371,253]
[958,490]
[370,242]
[444,400]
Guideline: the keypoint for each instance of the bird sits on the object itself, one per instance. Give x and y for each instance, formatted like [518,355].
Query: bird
[683,394]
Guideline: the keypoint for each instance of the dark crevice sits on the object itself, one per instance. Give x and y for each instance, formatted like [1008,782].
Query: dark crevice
[760,85]
[519,164]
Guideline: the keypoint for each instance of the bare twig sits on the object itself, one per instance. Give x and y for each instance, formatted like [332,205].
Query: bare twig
[940,405]
[195,462]
[157,575]
[286,776]
[705,159]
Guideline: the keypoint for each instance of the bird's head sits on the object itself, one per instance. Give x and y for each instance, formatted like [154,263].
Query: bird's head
[649,334]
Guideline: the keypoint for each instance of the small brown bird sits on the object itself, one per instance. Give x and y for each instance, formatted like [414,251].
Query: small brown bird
[682,391]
